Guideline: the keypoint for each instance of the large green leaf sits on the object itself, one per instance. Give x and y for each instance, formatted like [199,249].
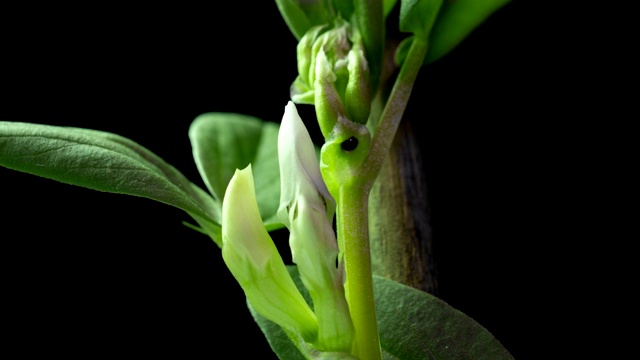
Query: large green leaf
[416,325]
[458,18]
[105,162]
[413,325]
[224,142]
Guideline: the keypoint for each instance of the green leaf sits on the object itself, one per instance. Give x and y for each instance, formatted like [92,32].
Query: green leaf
[301,15]
[413,325]
[105,162]
[418,16]
[456,20]
[387,6]
[416,325]
[224,142]
[294,17]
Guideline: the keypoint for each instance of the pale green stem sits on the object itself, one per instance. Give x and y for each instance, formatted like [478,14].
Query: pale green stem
[353,229]
[352,217]
[393,111]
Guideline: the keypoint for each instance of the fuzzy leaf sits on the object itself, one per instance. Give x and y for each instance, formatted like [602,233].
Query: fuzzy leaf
[224,142]
[416,325]
[105,162]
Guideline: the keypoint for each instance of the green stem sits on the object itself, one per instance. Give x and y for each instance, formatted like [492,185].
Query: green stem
[352,217]
[353,229]
[394,110]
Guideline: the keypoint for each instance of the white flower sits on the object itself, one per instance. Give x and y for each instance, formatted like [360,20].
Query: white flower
[307,209]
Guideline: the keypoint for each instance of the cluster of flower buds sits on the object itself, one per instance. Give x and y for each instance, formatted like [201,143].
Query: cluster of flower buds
[333,74]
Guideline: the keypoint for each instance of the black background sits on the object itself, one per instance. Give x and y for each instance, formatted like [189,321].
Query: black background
[87,272]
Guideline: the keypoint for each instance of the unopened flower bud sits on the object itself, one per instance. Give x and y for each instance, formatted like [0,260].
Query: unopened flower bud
[254,261]
[307,209]
[358,92]
[329,106]
[302,87]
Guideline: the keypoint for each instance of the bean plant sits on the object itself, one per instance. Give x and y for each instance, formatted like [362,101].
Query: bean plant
[261,177]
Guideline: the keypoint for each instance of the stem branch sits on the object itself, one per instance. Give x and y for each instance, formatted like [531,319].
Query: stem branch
[394,109]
